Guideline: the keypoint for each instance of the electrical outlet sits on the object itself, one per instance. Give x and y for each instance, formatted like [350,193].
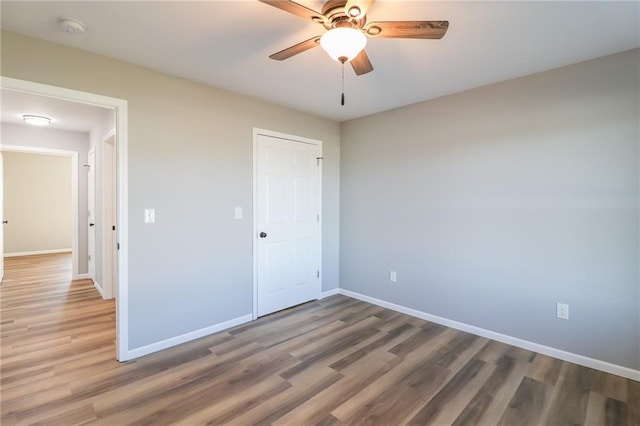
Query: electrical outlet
[393,277]
[562,311]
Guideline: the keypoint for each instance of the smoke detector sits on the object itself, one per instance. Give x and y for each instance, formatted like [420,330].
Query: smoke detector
[72,26]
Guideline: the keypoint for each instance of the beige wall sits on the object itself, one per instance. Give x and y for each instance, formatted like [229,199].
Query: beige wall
[190,157]
[37,202]
[22,135]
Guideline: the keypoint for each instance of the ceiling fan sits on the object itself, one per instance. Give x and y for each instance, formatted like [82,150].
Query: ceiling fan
[346,26]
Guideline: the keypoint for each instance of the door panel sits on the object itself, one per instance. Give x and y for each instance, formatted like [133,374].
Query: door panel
[277,197]
[288,208]
[277,255]
[304,255]
[303,202]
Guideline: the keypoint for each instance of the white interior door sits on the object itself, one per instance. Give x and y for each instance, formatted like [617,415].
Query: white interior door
[288,223]
[109,253]
[2,217]
[91,209]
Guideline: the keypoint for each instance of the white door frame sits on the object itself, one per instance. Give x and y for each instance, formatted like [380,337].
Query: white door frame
[120,108]
[75,275]
[254,230]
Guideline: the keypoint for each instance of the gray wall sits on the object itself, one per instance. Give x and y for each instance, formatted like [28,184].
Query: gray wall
[190,158]
[496,203]
[38,137]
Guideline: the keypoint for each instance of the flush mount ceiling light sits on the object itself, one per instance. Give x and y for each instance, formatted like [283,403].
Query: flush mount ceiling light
[72,26]
[343,44]
[36,120]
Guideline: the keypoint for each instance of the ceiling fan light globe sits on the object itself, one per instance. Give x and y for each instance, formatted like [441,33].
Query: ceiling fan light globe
[340,43]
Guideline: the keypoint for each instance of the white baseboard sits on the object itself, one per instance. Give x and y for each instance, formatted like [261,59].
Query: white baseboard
[38,252]
[596,364]
[328,293]
[82,277]
[99,288]
[173,341]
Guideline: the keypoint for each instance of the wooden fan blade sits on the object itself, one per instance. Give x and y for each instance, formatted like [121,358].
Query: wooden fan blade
[296,48]
[359,7]
[361,63]
[297,9]
[407,29]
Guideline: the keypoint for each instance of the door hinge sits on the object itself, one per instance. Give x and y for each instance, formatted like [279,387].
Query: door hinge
[317,218]
[318,273]
[89,258]
[113,228]
[117,246]
[318,160]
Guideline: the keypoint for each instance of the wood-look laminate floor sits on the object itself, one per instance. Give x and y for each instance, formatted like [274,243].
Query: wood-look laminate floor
[331,362]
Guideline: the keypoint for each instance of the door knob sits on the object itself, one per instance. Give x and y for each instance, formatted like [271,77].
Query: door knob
[263,235]
[4,222]
[91,224]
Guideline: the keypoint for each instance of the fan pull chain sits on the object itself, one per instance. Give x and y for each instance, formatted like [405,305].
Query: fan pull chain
[342,98]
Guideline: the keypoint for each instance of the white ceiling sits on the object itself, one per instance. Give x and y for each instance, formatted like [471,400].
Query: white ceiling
[65,115]
[227,43]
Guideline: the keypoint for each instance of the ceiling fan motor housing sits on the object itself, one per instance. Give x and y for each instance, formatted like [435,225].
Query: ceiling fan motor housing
[338,17]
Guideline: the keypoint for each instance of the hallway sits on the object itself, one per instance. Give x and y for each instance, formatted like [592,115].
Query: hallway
[54,330]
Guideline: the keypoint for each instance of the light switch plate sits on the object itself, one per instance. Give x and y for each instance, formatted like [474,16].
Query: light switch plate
[149,215]
[238,212]
[562,311]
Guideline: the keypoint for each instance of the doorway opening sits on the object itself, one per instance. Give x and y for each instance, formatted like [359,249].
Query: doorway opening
[118,267]
[40,203]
